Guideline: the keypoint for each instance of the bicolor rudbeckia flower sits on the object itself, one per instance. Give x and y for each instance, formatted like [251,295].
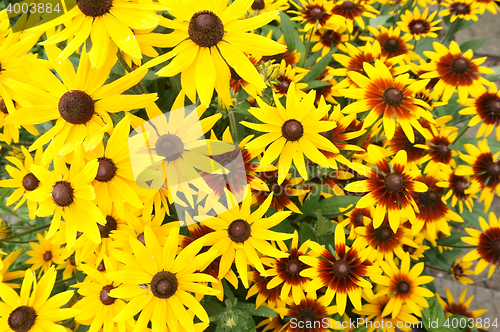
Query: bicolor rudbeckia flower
[419,25]
[391,188]
[461,189]
[460,271]
[353,11]
[451,307]
[389,98]
[317,14]
[485,106]
[460,9]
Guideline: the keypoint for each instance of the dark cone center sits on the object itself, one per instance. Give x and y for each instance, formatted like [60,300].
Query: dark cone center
[494,107]
[306,315]
[460,65]
[384,233]
[494,169]
[101,267]
[141,238]
[3,107]
[359,220]
[348,5]
[47,256]
[62,193]
[94,8]
[392,46]
[429,198]
[461,8]
[106,170]
[30,182]
[110,226]
[409,249]
[239,231]
[444,150]
[104,296]
[394,182]
[403,287]
[169,146]
[293,267]
[419,139]
[258,5]
[76,107]
[341,268]
[292,130]
[283,86]
[22,319]
[205,29]
[495,246]
[276,189]
[393,97]
[458,271]
[460,186]
[164,284]
[417,28]
[316,12]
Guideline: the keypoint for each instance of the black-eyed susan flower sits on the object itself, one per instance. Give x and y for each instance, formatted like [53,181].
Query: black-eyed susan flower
[485,106]
[316,14]
[285,75]
[259,7]
[460,9]
[166,277]
[393,44]
[23,180]
[11,132]
[69,195]
[239,234]
[489,5]
[5,264]
[414,150]
[327,39]
[273,324]
[342,272]
[236,81]
[388,98]
[484,169]
[461,189]
[286,271]
[417,252]
[292,132]
[488,243]
[460,271]
[353,11]
[269,297]
[109,24]
[80,106]
[419,25]
[451,307]
[45,253]
[439,150]
[207,38]
[355,218]
[391,188]
[454,70]
[33,310]
[405,285]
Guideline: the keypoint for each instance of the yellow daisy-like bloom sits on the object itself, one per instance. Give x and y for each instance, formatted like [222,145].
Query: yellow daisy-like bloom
[69,195]
[282,80]
[239,233]
[353,11]
[460,271]
[102,20]
[419,25]
[405,283]
[317,14]
[159,281]
[342,272]
[389,98]
[11,132]
[451,307]
[35,312]
[5,264]
[489,5]
[292,131]
[260,7]
[208,36]
[461,188]
[44,254]
[393,44]
[23,179]
[454,70]
[391,188]
[80,103]
[460,9]
[488,242]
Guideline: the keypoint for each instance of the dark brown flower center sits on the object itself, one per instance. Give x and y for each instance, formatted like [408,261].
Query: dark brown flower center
[292,130]
[341,268]
[409,249]
[258,5]
[494,107]
[460,65]
[316,12]
[104,296]
[3,107]
[384,233]
[22,319]
[403,287]
[392,46]
[239,231]
[164,284]
[307,315]
[94,8]
[141,238]
[429,198]
[101,267]
[62,193]
[293,267]
[394,182]
[419,139]
[30,182]
[460,186]
[283,86]
[494,169]
[76,107]
[348,5]
[444,150]
[275,188]
[495,246]
[169,146]
[111,225]
[460,8]
[393,97]
[106,170]
[47,256]
[417,27]
[206,29]
[359,220]
[458,271]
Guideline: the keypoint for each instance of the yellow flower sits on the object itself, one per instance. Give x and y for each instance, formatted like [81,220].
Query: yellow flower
[44,254]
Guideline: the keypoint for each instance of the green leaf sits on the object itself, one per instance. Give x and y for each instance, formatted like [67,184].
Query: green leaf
[307,233]
[453,239]
[331,206]
[379,20]
[433,317]
[324,225]
[291,34]
[424,45]
[473,45]
[317,84]
[309,205]
[260,311]
[319,67]
[213,307]
[494,76]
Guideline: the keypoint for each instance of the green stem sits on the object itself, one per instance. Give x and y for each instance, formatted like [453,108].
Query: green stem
[448,33]
[125,66]
[460,135]
[415,46]
[307,48]
[459,247]
[437,268]
[25,144]
[63,281]
[362,139]
[7,239]
[232,126]
[396,18]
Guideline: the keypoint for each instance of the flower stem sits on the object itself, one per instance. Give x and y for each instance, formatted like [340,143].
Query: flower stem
[232,125]
[464,129]
[437,268]
[362,139]
[7,239]
[127,68]
[448,33]
[307,48]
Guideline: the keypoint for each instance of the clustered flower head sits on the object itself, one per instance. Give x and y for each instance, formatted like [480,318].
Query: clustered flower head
[270,165]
